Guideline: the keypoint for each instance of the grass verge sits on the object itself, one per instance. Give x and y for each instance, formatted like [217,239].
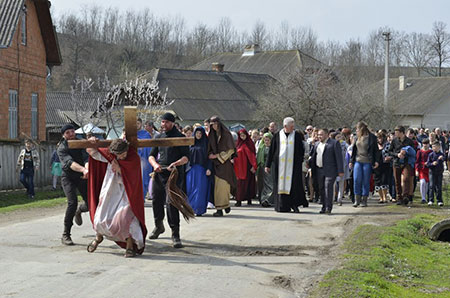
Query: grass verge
[14,200]
[397,261]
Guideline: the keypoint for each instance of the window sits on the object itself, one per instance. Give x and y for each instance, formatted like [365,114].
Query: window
[12,124]
[34,116]
[24,25]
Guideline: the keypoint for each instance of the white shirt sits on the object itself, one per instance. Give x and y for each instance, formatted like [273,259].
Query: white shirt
[320,150]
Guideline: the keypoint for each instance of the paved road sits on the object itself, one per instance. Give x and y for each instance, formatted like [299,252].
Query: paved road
[253,252]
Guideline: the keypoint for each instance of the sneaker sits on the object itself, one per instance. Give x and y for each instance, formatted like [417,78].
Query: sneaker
[66,240]
[430,203]
[440,204]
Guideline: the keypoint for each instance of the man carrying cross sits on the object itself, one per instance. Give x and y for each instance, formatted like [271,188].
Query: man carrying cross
[174,156]
[115,196]
[169,158]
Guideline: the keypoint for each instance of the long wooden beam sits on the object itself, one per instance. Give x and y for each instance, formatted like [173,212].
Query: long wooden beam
[162,142]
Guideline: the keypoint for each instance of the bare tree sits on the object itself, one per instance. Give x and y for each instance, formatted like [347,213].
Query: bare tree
[84,101]
[417,51]
[318,98]
[259,34]
[138,92]
[441,42]
[304,39]
[225,36]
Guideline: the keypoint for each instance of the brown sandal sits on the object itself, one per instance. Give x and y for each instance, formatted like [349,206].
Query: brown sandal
[93,245]
[130,253]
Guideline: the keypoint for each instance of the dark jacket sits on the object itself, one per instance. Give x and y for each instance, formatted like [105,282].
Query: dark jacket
[332,160]
[68,156]
[395,148]
[432,157]
[373,151]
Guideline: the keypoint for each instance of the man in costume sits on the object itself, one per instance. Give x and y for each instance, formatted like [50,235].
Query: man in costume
[285,157]
[169,159]
[73,177]
[115,202]
[144,153]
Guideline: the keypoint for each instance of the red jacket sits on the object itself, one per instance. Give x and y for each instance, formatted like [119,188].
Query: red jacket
[421,159]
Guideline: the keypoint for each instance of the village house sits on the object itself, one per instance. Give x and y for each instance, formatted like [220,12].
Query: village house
[277,64]
[28,51]
[420,102]
[196,95]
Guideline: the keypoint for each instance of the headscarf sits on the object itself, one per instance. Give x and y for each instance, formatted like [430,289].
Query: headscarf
[223,144]
[260,154]
[248,142]
[199,151]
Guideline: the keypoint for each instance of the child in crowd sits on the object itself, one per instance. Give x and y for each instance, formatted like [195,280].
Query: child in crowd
[436,164]
[421,168]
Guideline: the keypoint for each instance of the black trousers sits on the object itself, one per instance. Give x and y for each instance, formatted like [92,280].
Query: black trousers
[70,187]
[326,189]
[160,198]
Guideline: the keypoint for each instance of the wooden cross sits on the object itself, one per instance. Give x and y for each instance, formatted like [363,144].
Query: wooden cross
[131,135]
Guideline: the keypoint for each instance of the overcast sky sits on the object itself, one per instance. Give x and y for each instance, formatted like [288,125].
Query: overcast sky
[337,20]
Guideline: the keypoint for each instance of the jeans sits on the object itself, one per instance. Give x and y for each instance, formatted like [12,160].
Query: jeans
[27,179]
[70,187]
[361,177]
[435,186]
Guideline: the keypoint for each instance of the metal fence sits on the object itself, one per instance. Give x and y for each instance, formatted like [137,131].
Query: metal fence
[9,177]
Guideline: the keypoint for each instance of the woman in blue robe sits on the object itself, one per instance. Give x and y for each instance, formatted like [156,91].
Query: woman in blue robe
[197,182]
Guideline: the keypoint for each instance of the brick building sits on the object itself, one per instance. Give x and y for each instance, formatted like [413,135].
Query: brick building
[28,50]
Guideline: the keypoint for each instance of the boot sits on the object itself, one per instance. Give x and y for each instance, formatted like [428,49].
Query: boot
[238,204]
[249,202]
[158,230]
[78,219]
[176,238]
[357,201]
[364,201]
[66,240]
[218,213]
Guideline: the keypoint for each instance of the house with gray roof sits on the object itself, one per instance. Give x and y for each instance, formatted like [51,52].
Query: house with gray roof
[252,60]
[421,102]
[200,94]
[76,108]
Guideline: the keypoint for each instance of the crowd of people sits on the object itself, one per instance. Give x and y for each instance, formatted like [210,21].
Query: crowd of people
[322,166]
[284,169]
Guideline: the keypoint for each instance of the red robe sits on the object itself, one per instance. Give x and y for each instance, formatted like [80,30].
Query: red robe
[244,159]
[132,180]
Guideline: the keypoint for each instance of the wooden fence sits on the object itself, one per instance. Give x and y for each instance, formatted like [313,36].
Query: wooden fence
[9,177]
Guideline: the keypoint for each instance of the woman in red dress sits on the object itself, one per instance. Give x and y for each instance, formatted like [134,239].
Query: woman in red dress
[245,167]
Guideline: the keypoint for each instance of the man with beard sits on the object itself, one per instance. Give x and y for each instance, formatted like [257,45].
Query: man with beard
[169,159]
[286,155]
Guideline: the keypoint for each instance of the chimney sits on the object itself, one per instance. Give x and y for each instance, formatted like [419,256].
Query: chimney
[251,50]
[217,67]
[401,83]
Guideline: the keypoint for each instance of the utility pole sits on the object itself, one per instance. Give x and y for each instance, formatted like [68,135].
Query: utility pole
[387,38]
